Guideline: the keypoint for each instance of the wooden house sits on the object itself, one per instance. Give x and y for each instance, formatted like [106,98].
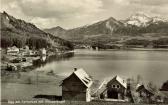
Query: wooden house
[76,87]
[115,89]
[144,91]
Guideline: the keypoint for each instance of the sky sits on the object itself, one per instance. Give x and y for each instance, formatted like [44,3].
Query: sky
[74,13]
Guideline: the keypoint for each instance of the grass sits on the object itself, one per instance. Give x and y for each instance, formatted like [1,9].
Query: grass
[25,86]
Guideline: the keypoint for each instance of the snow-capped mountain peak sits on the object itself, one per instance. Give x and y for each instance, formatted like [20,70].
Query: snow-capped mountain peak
[159,19]
[143,20]
[139,19]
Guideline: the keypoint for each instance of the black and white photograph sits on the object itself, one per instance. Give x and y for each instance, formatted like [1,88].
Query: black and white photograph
[84,52]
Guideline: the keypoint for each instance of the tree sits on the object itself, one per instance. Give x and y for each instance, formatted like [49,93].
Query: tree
[164,86]
[139,79]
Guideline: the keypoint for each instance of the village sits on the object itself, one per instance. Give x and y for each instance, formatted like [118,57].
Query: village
[16,59]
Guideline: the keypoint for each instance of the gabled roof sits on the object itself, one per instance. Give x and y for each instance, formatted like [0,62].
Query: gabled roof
[163,94]
[101,89]
[144,87]
[83,76]
[120,80]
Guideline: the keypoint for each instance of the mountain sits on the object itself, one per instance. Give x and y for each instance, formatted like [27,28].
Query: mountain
[103,27]
[20,33]
[143,20]
[138,19]
[106,27]
[56,30]
[112,30]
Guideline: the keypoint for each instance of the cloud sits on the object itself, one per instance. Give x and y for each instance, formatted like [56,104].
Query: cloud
[59,8]
[45,12]
[142,2]
[124,8]
[150,2]
[74,13]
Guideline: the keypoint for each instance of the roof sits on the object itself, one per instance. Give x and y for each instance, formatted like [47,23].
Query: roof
[83,76]
[163,94]
[147,88]
[120,80]
[102,87]
[12,49]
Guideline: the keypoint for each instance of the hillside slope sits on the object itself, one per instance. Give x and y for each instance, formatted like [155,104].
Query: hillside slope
[18,32]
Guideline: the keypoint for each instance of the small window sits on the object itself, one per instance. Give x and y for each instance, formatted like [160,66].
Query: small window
[118,86]
[114,86]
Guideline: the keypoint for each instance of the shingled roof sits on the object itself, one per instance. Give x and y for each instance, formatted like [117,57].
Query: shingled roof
[120,80]
[83,76]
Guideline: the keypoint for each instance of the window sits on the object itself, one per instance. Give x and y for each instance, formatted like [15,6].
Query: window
[118,86]
[114,86]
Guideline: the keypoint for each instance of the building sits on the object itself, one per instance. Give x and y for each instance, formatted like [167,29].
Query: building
[76,87]
[25,51]
[115,89]
[146,94]
[13,51]
[43,52]
[144,91]
[162,95]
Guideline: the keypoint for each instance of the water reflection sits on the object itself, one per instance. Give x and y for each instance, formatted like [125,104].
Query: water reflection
[43,58]
[48,59]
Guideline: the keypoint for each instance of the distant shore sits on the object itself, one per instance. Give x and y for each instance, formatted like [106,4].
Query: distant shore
[148,49]
[133,49]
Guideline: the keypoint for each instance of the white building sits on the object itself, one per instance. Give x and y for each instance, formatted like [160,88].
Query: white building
[13,50]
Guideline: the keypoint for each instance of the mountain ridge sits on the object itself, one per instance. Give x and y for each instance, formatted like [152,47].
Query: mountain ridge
[143,20]
[19,32]
[137,22]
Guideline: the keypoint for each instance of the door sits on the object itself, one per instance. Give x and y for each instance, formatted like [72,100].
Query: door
[112,94]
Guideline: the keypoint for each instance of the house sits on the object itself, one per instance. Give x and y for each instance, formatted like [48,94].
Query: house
[13,51]
[162,95]
[76,87]
[115,89]
[144,91]
[25,51]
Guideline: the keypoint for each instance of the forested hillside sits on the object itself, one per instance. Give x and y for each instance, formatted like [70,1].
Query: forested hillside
[20,33]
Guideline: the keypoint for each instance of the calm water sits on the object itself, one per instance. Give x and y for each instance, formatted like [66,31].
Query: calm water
[151,65]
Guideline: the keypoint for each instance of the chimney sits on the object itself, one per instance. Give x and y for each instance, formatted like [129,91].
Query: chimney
[75,69]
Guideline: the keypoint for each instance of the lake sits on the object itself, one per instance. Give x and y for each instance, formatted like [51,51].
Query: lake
[150,65]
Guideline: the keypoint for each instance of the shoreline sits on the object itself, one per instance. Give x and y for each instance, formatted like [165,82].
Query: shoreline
[128,49]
